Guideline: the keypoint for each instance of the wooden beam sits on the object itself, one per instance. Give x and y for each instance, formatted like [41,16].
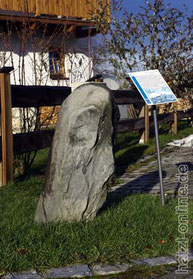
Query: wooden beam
[38,96]
[124,97]
[185,114]
[26,142]
[48,20]
[6,127]
[5,70]
[32,141]
[128,125]
[42,139]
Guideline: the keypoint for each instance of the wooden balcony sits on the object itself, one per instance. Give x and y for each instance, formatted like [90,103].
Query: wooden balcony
[77,9]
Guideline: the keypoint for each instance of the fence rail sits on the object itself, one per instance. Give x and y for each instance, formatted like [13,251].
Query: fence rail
[128,125]
[38,96]
[26,142]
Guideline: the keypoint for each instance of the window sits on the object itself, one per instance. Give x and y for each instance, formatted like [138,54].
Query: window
[57,63]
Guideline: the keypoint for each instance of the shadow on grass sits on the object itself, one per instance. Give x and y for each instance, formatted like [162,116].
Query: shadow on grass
[142,184]
[130,156]
[34,171]
[38,167]
[122,141]
[39,170]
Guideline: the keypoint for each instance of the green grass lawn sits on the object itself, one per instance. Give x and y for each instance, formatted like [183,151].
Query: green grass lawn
[127,227]
[130,227]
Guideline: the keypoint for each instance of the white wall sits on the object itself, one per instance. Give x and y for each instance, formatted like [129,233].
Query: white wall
[78,66]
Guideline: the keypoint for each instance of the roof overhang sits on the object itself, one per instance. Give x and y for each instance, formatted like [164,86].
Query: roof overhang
[47,19]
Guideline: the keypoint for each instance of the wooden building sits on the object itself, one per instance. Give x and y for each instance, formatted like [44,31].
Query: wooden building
[48,42]
[71,9]
[23,23]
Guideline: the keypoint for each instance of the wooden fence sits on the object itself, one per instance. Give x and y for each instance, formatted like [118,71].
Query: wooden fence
[38,96]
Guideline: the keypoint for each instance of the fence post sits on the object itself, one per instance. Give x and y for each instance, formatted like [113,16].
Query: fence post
[6,125]
[145,135]
[175,123]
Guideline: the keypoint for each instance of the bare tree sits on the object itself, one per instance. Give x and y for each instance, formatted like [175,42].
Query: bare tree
[157,37]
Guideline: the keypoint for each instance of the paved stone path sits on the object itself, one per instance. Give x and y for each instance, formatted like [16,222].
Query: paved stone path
[146,179]
[107,271]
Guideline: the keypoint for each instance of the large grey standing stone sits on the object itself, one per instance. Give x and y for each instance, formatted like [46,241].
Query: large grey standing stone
[81,158]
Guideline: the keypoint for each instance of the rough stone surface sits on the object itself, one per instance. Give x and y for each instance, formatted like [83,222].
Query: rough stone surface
[77,271]
[101,269]
[81,158]
[138,262]
[24,275]
[155,261]
[160,261]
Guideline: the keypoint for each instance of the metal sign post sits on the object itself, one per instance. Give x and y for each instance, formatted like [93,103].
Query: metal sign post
[158,156]
[155,91]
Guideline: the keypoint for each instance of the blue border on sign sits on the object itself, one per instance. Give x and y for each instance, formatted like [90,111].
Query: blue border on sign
[145,97]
